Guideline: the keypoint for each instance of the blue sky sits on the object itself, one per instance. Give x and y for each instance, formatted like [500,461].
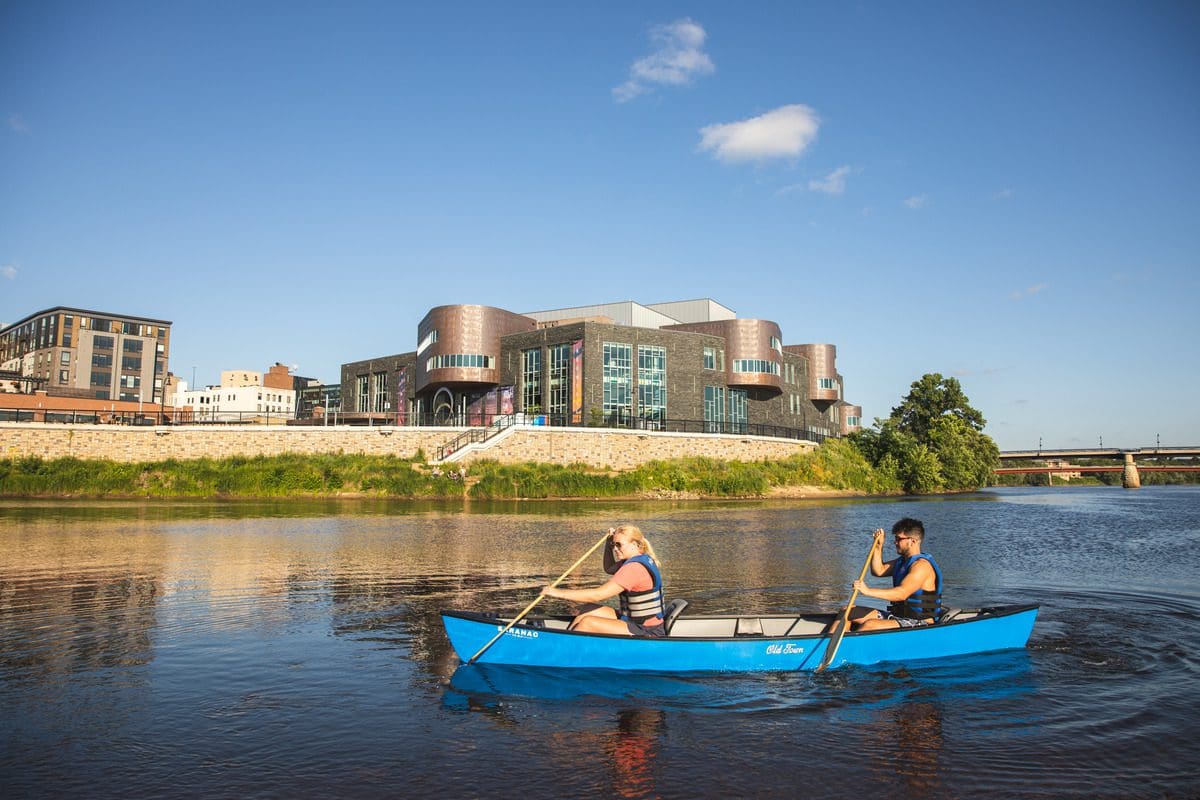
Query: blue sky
[1007,193]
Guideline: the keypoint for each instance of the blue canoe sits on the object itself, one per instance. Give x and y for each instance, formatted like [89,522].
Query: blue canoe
[734,643]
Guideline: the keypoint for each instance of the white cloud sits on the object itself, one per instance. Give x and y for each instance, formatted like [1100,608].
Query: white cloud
[1003,194]
[785,132]
[17,124]
[917,201]
[679,59]
[833,183]
[1029,291]
[8,271]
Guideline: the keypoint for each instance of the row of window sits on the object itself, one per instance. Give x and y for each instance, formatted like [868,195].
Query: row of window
[460,360]
[756,365]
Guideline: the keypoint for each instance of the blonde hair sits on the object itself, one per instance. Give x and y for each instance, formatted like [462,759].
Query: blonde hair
[638,538]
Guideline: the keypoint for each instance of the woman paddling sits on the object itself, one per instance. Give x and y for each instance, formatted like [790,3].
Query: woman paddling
[636,579]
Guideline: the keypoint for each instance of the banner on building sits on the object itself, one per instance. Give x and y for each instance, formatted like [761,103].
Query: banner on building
[577,382]
[402,397]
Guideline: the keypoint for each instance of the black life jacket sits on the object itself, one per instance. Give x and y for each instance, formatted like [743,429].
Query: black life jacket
[920,604]
[642,606]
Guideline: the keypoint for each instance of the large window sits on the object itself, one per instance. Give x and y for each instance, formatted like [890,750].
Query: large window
[362,393]
[618,378]
[560,379]
[379,391]
[652,382]
[826,383]
[737,411]
[531,380]
[714,409]
[714,358]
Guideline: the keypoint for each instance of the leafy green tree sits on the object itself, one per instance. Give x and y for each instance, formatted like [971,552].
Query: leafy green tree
[933,440]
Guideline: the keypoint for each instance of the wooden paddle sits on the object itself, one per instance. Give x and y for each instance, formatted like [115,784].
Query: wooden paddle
[538,599]
[839,630]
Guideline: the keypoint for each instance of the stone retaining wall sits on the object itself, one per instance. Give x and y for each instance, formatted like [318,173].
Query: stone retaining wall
[615,449]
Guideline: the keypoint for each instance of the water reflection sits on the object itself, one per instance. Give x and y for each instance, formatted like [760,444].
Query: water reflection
[242,649]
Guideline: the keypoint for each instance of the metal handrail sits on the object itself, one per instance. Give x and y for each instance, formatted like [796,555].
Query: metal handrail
[481,426]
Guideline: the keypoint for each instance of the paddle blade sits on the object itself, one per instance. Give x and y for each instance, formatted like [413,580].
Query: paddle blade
[835,641]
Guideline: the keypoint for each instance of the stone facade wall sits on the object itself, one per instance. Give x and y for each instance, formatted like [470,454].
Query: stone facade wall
[625,449]
[598,447]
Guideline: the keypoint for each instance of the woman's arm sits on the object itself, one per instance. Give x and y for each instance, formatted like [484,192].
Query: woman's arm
[595,594]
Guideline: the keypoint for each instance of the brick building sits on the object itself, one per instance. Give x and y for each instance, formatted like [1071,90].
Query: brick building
[661,366]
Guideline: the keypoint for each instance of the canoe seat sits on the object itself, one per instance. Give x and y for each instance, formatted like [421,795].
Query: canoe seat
[949,614]
[674,609]
[749,626]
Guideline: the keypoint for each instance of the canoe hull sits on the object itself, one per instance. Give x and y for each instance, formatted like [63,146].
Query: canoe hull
[993,629]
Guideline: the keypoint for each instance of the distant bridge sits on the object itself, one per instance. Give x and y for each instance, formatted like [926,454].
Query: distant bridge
[1129,470]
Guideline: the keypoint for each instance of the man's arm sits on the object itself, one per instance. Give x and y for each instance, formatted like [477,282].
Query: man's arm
[878,568]
[914,580]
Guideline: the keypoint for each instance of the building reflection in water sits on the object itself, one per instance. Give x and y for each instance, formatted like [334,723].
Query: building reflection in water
[633,749]
[906,739]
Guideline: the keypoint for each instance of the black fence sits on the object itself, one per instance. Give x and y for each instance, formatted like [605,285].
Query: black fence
[490,423]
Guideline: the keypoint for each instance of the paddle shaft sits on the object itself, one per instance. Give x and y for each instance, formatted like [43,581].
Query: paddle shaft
[840,630]
[538,599]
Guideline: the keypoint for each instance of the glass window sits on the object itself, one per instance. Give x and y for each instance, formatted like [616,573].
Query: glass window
[102,342]
[429,339]
[362,393]
[64,357]
[755,365]
[710,358]
[826,383]
[560,379]
[132,345]
[531,380]
[737,411]
[379,393]
[617,373]
[714,409]
[652,382]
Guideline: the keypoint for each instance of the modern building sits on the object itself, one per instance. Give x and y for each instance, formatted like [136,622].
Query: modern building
[243,396]
[73,352]
[689,364]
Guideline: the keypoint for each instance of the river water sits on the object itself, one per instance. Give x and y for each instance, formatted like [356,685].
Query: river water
[294,649]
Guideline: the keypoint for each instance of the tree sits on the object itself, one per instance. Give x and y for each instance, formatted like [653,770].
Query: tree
[932,398]
[933,440]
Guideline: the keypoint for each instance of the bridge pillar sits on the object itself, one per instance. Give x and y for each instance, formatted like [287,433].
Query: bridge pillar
[1129,476]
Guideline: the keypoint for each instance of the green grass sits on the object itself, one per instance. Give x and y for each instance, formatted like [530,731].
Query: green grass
[835,465]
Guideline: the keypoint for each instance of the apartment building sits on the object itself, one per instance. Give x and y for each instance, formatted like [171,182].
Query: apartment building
[74,352]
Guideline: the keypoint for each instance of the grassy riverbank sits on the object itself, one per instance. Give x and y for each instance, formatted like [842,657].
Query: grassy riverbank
[834,467]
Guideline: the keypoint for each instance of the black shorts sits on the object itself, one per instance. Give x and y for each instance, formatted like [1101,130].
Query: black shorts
[642,630]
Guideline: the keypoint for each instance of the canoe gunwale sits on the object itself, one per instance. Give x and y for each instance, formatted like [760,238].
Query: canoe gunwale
[981,614]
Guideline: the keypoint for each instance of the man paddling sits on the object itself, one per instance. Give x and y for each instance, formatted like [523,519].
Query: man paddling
[916,594]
